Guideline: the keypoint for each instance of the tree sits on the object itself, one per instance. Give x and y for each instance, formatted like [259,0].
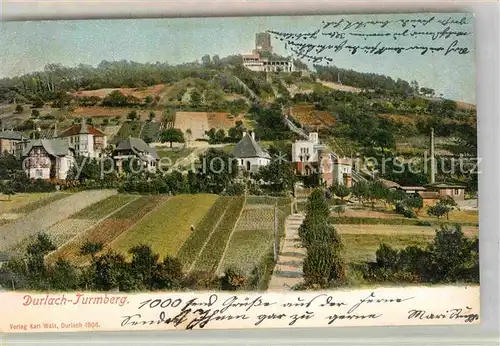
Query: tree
[172,135]
[438,210]
[132,116]
[115,99]
[322,265]
[19,109]
[151,116]
[339,209]
[189,135]
[38,103]
[9,191]
[195,98]
[279,175]
[217,170]
[144,264]
[35,113]
[449,204]
[360,191]
[340,190]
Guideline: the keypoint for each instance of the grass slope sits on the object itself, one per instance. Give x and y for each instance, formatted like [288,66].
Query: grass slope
[28,203]
[167,228]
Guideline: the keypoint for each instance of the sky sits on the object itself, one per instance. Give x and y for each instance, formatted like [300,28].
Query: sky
[29,46]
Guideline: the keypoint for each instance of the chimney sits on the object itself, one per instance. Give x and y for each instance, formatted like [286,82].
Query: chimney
[433,163]
[253,135]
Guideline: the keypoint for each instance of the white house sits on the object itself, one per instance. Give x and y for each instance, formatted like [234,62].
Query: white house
[48,158]
[86,139]
[249,154]
[135,148]
[342,171]
[254,62]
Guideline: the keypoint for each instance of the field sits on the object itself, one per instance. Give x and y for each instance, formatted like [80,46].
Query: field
[112,112]
[23,203]
[362,241]
[212,253]
[108,229]
[65,230]
[168,226]
[337,86]
[251,240]
[199,122]
[174,154]
[189,251]
[136,92]
[132,129]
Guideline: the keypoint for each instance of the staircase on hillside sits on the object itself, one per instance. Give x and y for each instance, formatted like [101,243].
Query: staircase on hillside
[288,270]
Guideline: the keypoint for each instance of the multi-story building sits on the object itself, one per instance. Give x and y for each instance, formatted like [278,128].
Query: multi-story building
[131,149]
[262,58]
[48,158]
[9,141]
[85,139]
[342,171]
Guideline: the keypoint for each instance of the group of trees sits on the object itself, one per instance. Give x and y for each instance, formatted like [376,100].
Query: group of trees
[324,264]
[105,270]
[451,257]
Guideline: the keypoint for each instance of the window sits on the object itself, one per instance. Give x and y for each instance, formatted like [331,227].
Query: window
[456,192]
[248,165]
[38,173]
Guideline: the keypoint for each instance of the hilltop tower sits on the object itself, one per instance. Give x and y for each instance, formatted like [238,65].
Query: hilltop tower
[263,42]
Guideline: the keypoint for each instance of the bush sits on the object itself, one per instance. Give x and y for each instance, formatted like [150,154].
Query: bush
[323,265]
[387,257]
[232,280]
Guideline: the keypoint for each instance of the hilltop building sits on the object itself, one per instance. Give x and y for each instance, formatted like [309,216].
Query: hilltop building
[262,58]
[86,139]
[48,158]
[250,155]
[135,148]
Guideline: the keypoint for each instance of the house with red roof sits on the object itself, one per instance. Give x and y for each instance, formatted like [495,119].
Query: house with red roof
[87,140]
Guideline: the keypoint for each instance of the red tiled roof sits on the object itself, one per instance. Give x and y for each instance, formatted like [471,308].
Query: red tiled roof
[76,129]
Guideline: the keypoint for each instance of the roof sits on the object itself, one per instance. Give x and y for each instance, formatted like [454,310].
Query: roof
[53,147]
[413,188]
[428,194]
[446,186]
[390,184]
[248,147]
[137,145]
[12,135]
[82,128]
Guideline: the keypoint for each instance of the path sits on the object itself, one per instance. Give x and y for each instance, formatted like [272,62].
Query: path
[288,270]
[47,216]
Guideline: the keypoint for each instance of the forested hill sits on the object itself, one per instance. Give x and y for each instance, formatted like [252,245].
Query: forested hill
[370,81]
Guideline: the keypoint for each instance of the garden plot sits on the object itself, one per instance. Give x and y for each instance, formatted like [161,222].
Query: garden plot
[65,230]
[167,227]
[211,255]
[48,215]
[256,219]
[108,229]
[251,240]
[194,244]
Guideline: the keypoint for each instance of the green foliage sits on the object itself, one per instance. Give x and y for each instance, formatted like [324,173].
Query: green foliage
[115,99]
[18,109]
[132,116]
[438,210]
[451,257]
[232,280]
[339,209]
[172,135]
[270,124]
[278,176]
[340,190]
[323,265]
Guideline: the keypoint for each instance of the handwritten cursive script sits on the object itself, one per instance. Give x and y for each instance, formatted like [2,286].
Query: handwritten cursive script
[375,37]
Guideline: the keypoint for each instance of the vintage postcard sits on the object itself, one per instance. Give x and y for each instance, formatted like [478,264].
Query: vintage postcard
[252,172]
